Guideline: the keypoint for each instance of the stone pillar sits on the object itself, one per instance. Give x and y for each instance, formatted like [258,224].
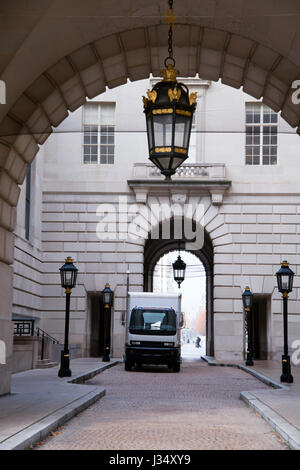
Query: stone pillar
[12,173]
[7,221]
[6,326]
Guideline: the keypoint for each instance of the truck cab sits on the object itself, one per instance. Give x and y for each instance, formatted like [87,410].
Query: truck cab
[153,325]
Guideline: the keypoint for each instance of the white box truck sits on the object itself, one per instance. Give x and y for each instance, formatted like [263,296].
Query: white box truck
[153,335]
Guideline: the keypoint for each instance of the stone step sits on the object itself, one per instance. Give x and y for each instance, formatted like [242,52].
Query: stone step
[45,364]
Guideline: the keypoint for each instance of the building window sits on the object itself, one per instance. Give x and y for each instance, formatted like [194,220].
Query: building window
[90,146]
[99,133]
[27,203]
[261,135]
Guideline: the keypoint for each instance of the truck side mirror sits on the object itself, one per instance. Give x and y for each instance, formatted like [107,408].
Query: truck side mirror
[181,322]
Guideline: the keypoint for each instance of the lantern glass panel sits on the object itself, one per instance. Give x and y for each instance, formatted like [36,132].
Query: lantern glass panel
[157,161]
[285,282]
[182,131]
[188,132]
[176,162]
[106,297]
[162,130]
[149,131]
[165,162]
[247,301]
[68,278]
[179,274]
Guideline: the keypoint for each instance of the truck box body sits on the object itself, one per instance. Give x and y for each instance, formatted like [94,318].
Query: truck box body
[153,323]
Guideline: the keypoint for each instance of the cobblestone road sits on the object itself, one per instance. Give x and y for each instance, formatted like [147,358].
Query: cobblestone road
[154,408]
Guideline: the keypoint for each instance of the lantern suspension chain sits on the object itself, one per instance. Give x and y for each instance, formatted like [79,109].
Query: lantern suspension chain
[171,20]
[169,110]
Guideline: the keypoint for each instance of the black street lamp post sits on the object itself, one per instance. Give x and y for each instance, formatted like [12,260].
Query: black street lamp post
[68,274]
[248,302]
[107,301]
[285,277]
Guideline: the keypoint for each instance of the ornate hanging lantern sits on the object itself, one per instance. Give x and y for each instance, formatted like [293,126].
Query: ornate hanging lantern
[179,267]
[169,110]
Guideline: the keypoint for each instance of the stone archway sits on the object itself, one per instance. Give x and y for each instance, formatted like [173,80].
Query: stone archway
[40,97]
[240,47]
[155,248]
[58,57]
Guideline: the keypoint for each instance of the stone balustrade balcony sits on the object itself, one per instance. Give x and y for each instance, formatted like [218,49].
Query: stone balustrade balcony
[187,170]
[190,178]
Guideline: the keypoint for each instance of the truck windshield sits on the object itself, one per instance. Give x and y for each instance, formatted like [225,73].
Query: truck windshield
[153,322]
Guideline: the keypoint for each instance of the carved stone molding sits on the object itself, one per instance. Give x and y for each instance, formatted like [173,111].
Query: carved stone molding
[189,180]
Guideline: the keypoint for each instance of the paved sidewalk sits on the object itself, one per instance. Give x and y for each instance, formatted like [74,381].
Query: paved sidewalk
[40,401]
[279,406]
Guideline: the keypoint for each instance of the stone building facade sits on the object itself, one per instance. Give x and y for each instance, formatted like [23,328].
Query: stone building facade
[243,172]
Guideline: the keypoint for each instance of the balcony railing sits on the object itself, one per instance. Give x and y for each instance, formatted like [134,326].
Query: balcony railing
[199,178]
[205,171]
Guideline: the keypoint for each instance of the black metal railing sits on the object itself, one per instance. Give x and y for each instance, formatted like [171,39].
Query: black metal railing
[45,337]
[26,328]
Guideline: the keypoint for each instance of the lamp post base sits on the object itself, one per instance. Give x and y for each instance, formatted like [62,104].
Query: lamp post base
[64,370]
[249,361]
[106,353]
[286,375]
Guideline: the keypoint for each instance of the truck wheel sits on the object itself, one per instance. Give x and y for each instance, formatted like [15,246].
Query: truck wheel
[128,365]
[176,367]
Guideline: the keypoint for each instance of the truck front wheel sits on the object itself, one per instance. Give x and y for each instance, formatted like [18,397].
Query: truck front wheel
[128,365]
[176,367]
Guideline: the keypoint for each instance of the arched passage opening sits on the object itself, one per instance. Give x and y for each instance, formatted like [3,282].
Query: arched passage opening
[193,305]
[155,249]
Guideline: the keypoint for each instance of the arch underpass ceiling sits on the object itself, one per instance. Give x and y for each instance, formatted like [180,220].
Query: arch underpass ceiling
[58,53]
